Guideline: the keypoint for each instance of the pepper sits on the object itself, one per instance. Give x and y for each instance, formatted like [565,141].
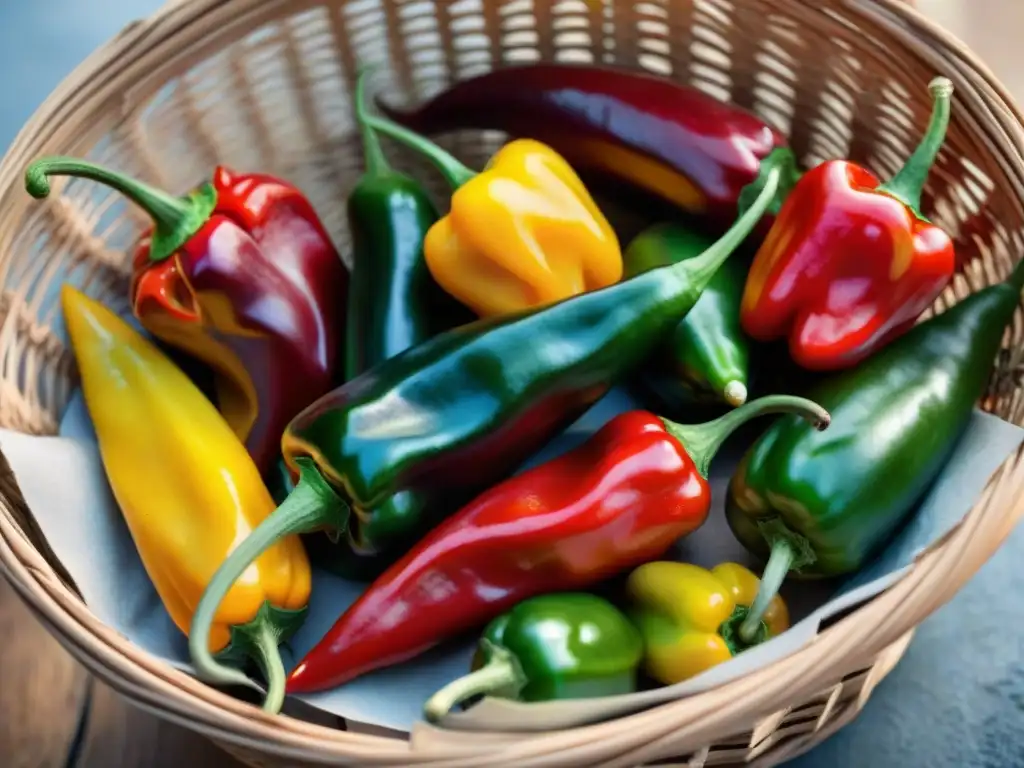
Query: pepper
[824,505]
[850,263]
[188,491]
[570,645]
[521,234]
[394,303]
[241,274]
[394,451]
[621,498]
[660,136]
[707,354]
[689,617]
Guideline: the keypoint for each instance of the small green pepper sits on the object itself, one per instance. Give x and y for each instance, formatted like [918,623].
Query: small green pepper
[393,302]
[567,645]
[706,357]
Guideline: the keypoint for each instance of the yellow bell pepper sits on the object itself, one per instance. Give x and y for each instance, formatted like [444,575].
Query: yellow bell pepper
[521,234]
[690,617]
[189,492]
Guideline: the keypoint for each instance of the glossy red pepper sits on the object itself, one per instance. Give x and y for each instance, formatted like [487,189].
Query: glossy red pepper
[620,499]
[666,138]
[850,263]
[242,275]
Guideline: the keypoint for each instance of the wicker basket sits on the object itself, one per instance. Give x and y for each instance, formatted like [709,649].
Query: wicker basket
[265,84]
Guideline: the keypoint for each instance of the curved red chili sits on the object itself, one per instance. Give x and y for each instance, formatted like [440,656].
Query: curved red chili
[620,499]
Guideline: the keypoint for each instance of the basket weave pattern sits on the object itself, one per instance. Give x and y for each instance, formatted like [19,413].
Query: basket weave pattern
[265,85]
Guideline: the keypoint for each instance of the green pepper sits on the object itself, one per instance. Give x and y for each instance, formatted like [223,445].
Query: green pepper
[706,358]
[393,302]
[820,504]
[566,645]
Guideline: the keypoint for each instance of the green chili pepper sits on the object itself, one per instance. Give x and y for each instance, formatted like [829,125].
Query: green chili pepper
[568,645]
[707,355]
[823,503]
[394,303]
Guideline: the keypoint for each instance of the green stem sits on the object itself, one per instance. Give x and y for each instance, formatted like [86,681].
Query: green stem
[730,631]
[454,172]
[907,184]
[175,219]
[268,655]
[702,441]
[373,154]
[312,504]
[501,672]
[779,562]
[702,268]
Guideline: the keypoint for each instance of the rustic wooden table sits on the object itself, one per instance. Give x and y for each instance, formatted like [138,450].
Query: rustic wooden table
[53,714]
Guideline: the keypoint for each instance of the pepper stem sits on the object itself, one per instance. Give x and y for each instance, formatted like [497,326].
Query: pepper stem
[702,441]
[311,505]
[729,630]
[373,154]
[258,640]
[788,179]
[175,219]
[907,184]
[779,563]
[500,673]
[702,268]
[454,172]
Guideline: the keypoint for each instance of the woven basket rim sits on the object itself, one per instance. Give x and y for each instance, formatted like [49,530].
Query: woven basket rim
[883,622]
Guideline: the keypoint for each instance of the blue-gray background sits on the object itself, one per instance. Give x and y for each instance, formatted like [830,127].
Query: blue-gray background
[956,699]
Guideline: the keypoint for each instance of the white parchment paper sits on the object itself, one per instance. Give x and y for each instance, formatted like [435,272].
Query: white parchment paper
[63,482]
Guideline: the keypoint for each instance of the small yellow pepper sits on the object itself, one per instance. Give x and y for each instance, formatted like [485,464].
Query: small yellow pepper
[521,234]
[188,490]
[690,617]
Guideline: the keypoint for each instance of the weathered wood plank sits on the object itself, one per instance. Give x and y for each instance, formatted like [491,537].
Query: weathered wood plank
[118,734]
[42,690]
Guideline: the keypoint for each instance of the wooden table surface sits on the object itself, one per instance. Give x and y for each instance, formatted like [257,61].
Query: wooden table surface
[52,713]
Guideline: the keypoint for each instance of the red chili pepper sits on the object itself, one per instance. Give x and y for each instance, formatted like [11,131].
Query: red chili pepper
[666,138]
[241,274]
[620,499]
[850,263]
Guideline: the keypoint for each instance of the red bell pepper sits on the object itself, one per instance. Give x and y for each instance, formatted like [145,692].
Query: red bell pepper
[666,138]
[242,275]
[620,499]
[850,263]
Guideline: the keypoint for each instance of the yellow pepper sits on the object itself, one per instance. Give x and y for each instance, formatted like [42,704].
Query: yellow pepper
[189,492]
[521,234]
[690,617]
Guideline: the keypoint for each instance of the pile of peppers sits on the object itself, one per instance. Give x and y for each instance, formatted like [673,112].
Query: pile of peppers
[375,421]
